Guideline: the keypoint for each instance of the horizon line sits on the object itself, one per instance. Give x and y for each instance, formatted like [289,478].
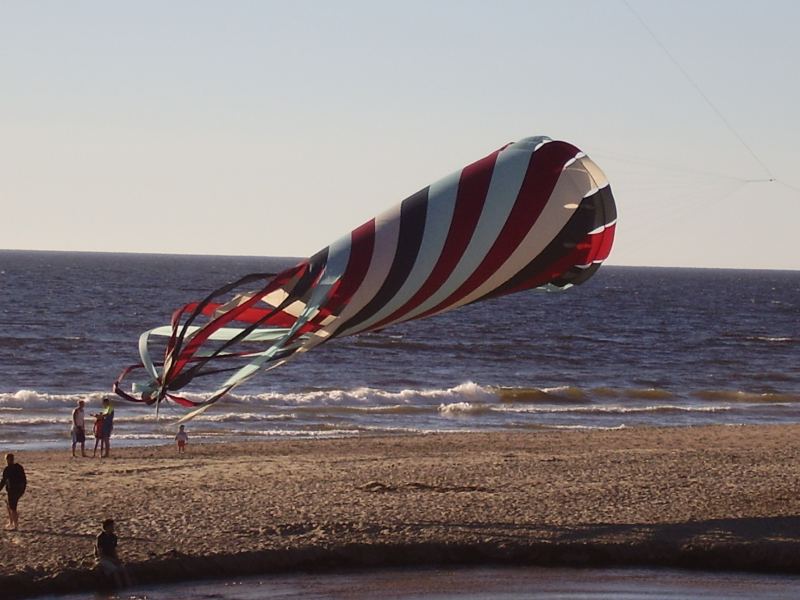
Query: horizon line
[154,253]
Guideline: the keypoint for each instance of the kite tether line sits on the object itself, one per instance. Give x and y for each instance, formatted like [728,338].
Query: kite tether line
[703,95]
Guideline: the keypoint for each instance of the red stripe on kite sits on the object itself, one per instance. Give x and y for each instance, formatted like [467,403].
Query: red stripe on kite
[544,170]
[473,186]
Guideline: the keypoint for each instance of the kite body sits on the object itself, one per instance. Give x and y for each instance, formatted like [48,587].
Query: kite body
[537,213]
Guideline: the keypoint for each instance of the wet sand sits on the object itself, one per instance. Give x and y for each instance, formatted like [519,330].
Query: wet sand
[701,497]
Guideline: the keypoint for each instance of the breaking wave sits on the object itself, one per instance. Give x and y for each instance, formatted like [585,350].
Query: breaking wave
[408,401]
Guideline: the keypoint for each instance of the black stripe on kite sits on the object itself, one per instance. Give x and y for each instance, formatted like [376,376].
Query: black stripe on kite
[413,213]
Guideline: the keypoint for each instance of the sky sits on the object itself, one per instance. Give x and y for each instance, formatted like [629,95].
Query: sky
[273,128]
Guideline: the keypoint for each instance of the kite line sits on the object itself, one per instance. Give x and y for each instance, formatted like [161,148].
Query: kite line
[701,93]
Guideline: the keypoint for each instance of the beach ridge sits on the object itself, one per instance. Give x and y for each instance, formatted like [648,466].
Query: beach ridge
[767,557]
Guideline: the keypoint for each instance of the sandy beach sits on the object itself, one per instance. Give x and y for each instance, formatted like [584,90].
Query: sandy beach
[722,497]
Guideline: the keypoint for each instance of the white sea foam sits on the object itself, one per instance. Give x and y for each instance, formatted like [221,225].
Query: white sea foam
[458,408]
[378,400]
[581,427]
[230,417]
[467,392]
[368,397]
[31,399]
[565,391]
[614,409]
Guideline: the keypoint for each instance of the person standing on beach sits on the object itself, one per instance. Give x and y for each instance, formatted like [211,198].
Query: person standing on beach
[78,429]
[98,434]
[105,549]
[15,482]
[182,438]
[107,428]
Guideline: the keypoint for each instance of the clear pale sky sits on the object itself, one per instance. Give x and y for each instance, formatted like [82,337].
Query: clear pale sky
[272,128]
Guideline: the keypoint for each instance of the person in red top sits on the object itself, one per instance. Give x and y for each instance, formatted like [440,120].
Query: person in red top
[98,434]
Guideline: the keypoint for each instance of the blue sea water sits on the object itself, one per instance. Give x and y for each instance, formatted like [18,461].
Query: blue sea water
[631,347]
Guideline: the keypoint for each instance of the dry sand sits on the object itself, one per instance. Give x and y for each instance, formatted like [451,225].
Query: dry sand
[706,497]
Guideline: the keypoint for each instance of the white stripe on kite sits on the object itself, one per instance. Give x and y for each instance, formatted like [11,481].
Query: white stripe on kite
[507,178]
[438,218]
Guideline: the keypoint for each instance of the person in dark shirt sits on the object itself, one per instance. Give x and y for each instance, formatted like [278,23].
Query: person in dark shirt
[14,481]
[105,550]
[107,427]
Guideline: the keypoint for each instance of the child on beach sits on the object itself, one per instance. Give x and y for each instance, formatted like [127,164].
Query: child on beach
[182,438]
[105,549]
[98,434]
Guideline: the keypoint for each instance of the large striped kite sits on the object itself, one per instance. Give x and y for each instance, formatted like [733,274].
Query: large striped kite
[535,213]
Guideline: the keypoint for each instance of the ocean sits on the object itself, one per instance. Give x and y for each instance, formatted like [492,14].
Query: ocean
[632,347]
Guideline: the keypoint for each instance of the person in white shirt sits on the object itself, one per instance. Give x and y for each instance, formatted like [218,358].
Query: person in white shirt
[78,429]
[182,438]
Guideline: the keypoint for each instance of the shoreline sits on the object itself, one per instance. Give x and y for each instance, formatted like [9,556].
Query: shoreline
[711,497]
